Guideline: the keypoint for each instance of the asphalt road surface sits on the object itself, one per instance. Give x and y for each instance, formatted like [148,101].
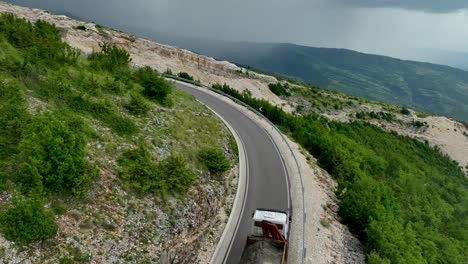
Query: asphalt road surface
[267,179]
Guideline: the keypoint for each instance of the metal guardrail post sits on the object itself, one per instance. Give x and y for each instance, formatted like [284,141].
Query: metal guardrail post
[277,130]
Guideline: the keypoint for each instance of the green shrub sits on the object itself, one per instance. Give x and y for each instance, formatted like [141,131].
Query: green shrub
[111,58]
[405,111]
[154,86]
[185,75]
[176,173]
[106,112]
[13,116]
[325,222]
[374,258]
[214,160]
[137,105]
[66,260]
[81,27]
[279,89]
[114,86]
[51,156]
[123,126]
[27,220]
[13,119]
[171,175]
[40,43]
[418,124]
[375,115]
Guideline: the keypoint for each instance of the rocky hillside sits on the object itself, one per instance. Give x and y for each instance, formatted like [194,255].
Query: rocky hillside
[210,71]
[101,162]
[446,134]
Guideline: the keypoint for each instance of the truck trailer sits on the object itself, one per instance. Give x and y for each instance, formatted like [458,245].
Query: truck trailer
[268,241]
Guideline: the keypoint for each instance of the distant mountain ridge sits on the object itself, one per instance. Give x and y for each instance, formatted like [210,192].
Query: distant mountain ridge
[427,87]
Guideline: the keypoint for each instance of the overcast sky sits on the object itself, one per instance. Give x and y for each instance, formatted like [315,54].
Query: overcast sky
[401,28]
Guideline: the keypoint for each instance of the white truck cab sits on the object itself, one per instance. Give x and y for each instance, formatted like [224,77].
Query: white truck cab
[279,218]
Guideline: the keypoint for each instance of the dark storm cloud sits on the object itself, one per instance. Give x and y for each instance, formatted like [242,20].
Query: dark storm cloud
[389,27]
[435,6]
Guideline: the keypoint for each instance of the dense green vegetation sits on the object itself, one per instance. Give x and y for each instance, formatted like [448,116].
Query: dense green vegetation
[51,156]
[406,200]
[27,220]
[375,115]
[405,111]
[12,122]
[214,160]
[426,87]
[154,87]
[142,174]
[81,27]
[279,89]
[137,104]
[54,105]
[185,75]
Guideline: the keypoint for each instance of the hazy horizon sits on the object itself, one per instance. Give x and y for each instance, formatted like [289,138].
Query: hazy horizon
[430,31]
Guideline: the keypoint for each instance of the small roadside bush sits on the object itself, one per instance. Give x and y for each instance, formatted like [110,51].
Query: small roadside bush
[154,86]
[27,220]
[279,89]
[178,176]
[137,105]
[51,157]
[214,160]
[185,75]
[142,174]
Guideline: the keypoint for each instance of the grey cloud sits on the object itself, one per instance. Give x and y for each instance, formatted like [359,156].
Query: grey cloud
[396,31]
[435,6]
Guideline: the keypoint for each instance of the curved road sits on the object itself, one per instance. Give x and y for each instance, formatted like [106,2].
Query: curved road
[267,178]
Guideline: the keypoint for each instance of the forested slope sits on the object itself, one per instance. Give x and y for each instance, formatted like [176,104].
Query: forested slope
[91,147]
[426,87]
[404,199]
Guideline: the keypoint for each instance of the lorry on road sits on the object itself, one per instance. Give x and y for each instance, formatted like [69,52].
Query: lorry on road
[268,242]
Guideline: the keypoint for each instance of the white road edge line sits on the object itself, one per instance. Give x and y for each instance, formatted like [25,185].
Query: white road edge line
[220,254]
[283,161]
[242,181]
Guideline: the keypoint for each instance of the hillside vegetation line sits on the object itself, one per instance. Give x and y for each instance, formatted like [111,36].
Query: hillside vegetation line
[405,200]
[55,104]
